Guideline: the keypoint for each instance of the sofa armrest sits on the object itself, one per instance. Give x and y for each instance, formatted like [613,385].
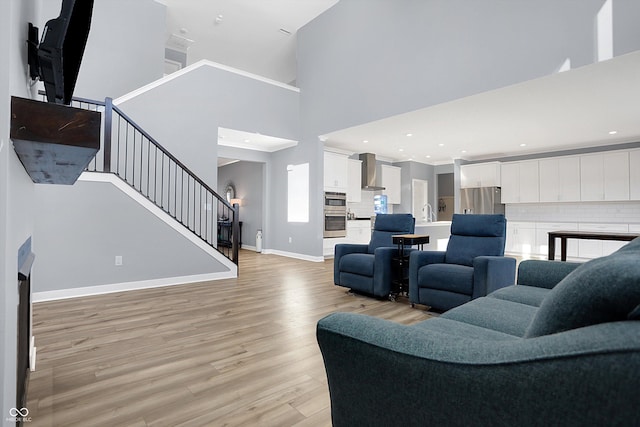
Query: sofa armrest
[491,273]
[382,373]
[544,274]
[342,249]
[385,270]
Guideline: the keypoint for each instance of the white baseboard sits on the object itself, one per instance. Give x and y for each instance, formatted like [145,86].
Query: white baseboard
[129,286]
[294,255]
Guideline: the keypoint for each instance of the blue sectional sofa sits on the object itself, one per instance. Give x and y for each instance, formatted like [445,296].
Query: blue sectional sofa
[562,347]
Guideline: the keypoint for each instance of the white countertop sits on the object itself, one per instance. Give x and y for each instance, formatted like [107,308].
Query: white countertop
[434,224]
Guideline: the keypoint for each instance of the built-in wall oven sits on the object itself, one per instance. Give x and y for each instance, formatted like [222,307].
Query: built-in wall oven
[335,214]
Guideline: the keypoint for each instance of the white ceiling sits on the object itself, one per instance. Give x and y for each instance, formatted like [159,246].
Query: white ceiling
[568,110]
[572,109]
[244,34]
[252,141]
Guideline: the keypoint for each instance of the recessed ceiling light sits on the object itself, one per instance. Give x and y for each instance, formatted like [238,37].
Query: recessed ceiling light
[523,145]
[464,151]
[409,134]
[247,140]
[441,145]
[400,149]
[365,141]
[428,157]
[613,132]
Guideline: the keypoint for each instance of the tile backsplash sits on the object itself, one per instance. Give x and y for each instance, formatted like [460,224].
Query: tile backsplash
[364,208]
[592,212]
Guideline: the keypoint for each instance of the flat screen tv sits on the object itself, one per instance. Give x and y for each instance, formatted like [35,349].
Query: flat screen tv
[56,59]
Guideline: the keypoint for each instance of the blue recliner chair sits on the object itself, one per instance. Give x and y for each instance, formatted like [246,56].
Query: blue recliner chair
[368,268]
[472,266]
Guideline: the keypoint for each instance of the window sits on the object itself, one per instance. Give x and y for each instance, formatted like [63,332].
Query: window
[298,193]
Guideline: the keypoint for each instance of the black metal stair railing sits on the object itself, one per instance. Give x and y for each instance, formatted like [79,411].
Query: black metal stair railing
[138,159]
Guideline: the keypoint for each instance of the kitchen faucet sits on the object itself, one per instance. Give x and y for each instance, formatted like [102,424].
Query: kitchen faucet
[430,216]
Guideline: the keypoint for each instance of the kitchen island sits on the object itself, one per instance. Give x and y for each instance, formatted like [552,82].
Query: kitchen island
[438,232]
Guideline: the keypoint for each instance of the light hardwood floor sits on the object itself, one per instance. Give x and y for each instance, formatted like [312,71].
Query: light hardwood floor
[236,352]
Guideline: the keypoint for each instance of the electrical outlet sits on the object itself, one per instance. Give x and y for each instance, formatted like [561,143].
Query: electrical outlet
[118,259]
[290,240]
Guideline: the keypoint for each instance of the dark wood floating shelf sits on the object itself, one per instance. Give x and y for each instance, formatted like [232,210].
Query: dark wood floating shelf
[54,142]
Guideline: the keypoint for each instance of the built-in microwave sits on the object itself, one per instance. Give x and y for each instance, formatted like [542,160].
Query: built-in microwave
[335,200]
[335,214]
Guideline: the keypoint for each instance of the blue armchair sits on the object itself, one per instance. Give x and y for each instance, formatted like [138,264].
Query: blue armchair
[472,266]
[368,268]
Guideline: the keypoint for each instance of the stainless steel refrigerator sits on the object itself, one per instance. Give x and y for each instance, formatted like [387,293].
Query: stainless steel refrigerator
[484,200]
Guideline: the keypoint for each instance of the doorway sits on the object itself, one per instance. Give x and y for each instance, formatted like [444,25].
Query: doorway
[421,209]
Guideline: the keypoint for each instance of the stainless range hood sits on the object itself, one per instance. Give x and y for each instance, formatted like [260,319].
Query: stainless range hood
[369,172]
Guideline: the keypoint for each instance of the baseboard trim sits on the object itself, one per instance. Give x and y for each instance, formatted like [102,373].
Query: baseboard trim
[128,286]
[293,255]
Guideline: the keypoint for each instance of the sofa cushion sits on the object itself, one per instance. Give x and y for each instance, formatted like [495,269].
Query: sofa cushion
[602,290]
[448,277]
[357,263]
[543,274]
[462,330]
[530,295]
[492,313]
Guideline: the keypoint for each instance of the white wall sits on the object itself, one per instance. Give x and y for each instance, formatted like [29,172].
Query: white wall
[184,114]
[16,189]
[248,179]
[82,228]
[125,48]
[364,60]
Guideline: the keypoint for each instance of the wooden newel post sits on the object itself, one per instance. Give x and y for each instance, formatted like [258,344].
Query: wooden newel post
[235,233]
[108,120]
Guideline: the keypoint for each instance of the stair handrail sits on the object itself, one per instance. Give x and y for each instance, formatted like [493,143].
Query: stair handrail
[109,108]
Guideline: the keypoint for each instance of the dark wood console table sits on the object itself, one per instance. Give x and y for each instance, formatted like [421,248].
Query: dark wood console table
[225,234]
[401,284]
[593,235]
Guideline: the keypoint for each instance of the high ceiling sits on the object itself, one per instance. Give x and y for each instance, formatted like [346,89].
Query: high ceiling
[258,36]
[589,106]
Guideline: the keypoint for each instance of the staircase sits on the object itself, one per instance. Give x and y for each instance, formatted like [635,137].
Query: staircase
[130,153]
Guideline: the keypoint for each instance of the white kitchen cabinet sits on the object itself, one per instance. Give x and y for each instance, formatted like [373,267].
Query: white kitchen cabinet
[634,228]
[604,176]
[520,182]
[542,238]
[559,179]
[480,175]
[358,231]
[390,179]
[354,180]
[335,172]
[521,238]
[634,174]
[329,245]
[509,175]
[597,248]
